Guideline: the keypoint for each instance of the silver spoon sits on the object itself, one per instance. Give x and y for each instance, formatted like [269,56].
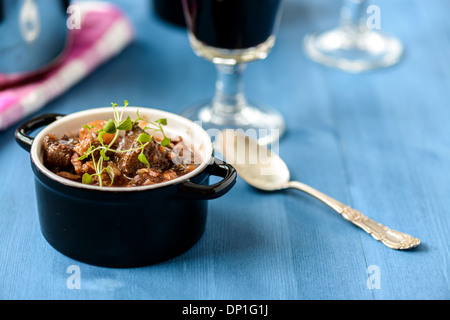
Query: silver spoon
[264,170]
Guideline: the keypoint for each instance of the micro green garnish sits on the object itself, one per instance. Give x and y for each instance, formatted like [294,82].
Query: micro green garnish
[114,126]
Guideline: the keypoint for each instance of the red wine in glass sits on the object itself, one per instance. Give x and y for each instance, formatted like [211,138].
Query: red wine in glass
[231,33]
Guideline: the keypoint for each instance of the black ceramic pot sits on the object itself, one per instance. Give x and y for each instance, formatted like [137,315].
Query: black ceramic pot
[130,226]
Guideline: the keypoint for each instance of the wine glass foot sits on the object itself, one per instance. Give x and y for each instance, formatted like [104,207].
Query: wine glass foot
[262,123]
[353,50]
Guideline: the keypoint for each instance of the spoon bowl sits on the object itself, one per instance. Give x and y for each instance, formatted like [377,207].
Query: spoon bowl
[258,166]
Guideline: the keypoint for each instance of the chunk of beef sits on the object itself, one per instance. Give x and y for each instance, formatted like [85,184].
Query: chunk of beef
[58,152]
[181,154]
[128,162]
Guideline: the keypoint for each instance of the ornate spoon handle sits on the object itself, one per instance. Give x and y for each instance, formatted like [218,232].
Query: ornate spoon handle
[391,238]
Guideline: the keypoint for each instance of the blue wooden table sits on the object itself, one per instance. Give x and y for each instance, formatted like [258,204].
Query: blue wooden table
[378,141]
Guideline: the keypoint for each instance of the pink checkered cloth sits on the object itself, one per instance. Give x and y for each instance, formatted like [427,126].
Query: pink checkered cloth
[104,32]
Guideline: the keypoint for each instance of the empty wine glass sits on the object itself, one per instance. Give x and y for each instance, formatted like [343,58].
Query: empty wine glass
[231,33]
[355,45]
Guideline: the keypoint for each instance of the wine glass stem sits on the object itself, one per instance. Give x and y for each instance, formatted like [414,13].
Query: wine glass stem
[229,97]
[352,14]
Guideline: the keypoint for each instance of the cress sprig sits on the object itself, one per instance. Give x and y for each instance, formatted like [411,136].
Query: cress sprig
[115,126]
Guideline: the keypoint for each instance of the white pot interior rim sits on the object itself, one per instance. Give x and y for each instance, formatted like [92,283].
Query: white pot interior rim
[194,136]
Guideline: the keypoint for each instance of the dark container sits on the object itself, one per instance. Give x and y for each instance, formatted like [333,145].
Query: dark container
[122,227]
[170,11]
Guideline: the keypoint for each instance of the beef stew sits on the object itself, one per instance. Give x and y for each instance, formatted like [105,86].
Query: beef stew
[128,155]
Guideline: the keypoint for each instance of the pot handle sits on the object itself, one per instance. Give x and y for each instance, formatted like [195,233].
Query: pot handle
[23,131]
[208,192]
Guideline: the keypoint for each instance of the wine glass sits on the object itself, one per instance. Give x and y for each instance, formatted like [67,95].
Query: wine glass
[356,45]
[231,33]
